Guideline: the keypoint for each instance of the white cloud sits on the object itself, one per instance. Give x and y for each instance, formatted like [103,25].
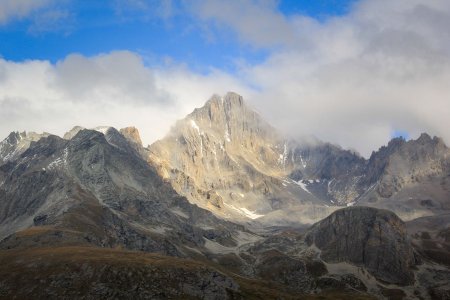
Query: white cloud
[53,20]
[13,9]
[351,80]
[146,9]
[114,89]
[256,21]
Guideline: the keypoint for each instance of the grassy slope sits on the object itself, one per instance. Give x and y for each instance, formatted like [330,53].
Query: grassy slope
[102,273]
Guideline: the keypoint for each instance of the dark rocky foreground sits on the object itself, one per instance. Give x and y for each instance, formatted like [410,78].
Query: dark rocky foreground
[358,252]
[95,273]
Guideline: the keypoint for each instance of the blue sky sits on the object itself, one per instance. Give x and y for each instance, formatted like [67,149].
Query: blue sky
[92,27]
[354,72]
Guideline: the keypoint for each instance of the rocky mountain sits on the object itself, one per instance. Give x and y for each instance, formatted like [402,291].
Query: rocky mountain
[375,239]
[224,157]
[411,178]
[17,143]
[90,200]
[224,207]
[95,189]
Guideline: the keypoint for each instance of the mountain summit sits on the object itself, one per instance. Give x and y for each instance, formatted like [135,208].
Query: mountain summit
[225,157]
[228,159]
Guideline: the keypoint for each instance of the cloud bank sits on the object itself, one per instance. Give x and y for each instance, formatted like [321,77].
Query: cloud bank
[351,80]
[114,89]
[16,9]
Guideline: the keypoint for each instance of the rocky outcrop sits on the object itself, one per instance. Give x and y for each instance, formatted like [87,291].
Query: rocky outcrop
[132,135]
[328,171]
[403,163]
[17,143]
[73,132]
[373,238]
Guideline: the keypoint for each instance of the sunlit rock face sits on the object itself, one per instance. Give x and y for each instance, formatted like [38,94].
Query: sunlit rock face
[95,189]
[225,157]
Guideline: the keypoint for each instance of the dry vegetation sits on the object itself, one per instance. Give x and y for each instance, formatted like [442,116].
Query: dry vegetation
[99,273]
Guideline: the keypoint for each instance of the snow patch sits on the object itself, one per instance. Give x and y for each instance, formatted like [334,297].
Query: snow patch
[282,158]
[251,214]
[226,135]
[302,161]
[102,129]
[303,186]
[12,155]
[60,161]
[244,211]
[329,186]
[195,126]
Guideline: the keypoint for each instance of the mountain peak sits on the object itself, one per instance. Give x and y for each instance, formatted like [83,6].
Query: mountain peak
[229,118]
[426,141]
[205,151]
[424,138]
[230,99]
[16,143]
[73,132]
[221,108]
[132,135]
[395,142]
[233,99]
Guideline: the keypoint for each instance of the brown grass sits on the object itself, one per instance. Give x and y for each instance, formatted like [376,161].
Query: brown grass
[28,268]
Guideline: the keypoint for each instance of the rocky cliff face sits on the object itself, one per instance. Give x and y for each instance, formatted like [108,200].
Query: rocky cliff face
[16,144]
[327,171]
[100,188]
[95,189]
[226,158]
[409,177]
[403,163]
[375,239]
